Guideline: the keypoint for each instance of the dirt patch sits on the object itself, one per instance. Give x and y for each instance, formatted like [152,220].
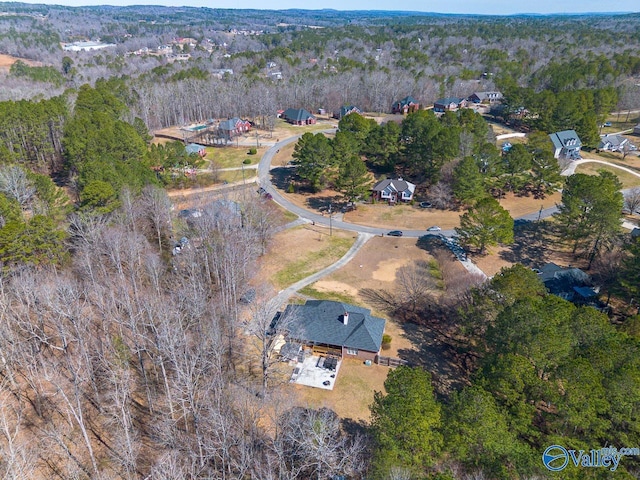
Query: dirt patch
[386,269]
[7,60]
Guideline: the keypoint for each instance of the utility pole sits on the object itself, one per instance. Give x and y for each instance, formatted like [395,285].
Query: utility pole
[540,213]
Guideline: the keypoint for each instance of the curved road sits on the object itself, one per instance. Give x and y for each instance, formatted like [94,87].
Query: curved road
[366,232]
[265,182]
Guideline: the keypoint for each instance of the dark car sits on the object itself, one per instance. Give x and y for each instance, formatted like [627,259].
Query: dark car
[395,233]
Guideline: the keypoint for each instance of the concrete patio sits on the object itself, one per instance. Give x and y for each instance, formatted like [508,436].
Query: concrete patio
[310,374]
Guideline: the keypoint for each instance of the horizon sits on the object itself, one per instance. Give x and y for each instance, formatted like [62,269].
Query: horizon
[457,7]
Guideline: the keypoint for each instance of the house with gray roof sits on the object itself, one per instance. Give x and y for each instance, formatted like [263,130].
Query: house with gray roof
[569,283]
[335,327]
[449,104]
[613,143]
[233,127]
[394,190]
[298,116]
[346,110]
[196,149]
[566,144]
[485,97]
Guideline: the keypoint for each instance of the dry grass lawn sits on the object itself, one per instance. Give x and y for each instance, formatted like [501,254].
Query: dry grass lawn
[374,266]
[352,393]
[299,252]
[627,179]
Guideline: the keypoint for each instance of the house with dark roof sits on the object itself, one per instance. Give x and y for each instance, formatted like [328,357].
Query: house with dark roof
[394,190]
[298,116]
[614,143]
[407,105]
[346,110]
[566,144]
[449,104]
[569,283]
[196,149]
[233,127]
[485,97]
[335,327]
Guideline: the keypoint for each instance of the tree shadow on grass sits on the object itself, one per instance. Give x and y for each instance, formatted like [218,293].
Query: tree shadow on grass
[355,427]
[531,244]
[322,203]
[445,362]
[282,177]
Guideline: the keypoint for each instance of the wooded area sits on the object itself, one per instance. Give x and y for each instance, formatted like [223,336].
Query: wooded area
[121,360]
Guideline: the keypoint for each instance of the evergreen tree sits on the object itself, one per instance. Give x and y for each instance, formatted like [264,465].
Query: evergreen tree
[468,182]
[485,225]
[405,422]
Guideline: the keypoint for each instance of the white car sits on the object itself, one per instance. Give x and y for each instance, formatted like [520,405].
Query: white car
[435,228]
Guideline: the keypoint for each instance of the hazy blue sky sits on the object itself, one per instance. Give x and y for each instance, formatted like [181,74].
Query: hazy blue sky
[501,7]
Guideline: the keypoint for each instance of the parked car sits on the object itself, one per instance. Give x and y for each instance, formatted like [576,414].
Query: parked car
[434,228]
[606,124]
[395,233]
[426,205]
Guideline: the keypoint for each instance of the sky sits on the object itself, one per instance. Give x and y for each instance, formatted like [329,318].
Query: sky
[486,7]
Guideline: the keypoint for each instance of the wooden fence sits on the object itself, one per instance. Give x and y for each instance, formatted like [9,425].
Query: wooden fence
[390,361]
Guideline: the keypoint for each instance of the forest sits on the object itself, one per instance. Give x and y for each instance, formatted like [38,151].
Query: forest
[121,360]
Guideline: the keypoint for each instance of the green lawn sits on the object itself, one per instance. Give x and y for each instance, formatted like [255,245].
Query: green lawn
[318,295]
[229,157]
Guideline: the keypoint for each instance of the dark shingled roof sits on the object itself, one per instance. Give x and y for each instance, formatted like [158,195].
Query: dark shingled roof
[321,322]
[399,185]
[297,114]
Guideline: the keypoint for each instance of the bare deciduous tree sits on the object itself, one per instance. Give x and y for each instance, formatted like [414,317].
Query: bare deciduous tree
[15,184]
[632,200]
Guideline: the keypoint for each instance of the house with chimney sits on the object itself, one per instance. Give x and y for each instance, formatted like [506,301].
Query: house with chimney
[407,105]
[393,190]
[334,328]
[233,127]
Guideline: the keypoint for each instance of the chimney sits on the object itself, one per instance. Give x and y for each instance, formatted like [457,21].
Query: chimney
[345,318]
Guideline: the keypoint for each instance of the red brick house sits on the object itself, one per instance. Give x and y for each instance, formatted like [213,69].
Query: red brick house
[406,105]
[233,127]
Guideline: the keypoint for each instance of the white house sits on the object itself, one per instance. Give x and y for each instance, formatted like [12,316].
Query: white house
[394,190]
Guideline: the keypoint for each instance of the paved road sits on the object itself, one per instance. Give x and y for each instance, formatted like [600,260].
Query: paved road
[365,232]
[329,221]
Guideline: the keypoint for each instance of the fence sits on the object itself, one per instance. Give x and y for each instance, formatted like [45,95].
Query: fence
[390,361]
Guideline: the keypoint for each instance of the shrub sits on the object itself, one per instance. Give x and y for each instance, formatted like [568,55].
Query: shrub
[246,161]
[386,342]
[291,188]
[253,151]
